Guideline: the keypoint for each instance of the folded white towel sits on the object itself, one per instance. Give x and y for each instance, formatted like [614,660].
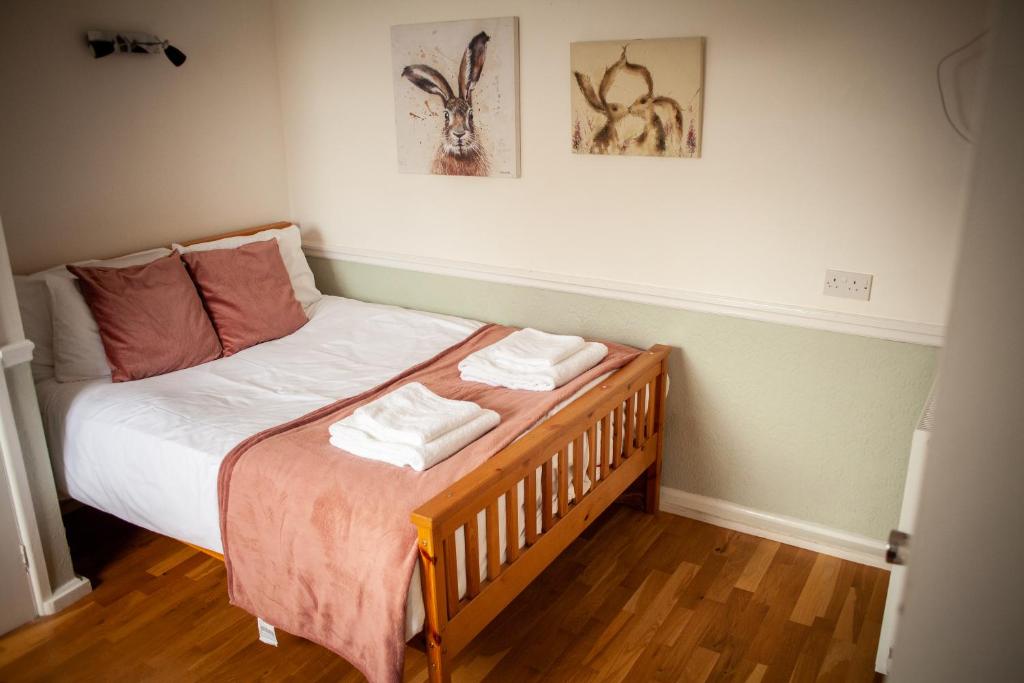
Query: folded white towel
[413,414]
[349,435]
[534,348]
[484,367]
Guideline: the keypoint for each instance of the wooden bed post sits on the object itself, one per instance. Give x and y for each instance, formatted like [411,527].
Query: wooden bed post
[652,499]
[432,573]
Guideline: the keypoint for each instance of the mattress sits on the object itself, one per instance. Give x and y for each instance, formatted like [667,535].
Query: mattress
[149,451]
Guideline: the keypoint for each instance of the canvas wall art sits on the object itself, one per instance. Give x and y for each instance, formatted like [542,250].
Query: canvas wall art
[637,96]
[457,97]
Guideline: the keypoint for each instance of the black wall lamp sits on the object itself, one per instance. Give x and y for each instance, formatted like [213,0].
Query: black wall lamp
[103,43]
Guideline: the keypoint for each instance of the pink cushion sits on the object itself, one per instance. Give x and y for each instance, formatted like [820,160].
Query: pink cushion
[247,292]
[150,317]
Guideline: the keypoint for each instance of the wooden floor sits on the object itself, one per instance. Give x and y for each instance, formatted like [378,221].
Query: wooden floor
[638,598]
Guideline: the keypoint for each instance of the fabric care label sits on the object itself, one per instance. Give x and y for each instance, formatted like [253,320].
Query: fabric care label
[267,633]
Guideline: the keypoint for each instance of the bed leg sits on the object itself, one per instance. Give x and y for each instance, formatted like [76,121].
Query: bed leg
[652,495]
[433,575]
[438,667]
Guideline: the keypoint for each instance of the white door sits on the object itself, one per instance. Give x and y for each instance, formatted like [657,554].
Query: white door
[964,615]
[16,603]
[908,520]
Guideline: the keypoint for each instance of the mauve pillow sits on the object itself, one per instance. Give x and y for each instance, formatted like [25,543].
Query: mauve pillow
[247,292]
[150,317]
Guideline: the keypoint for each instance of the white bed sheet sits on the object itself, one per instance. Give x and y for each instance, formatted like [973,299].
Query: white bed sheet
[149,451]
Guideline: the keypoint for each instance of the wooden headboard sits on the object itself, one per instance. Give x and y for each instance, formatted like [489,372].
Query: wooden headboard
[239,233]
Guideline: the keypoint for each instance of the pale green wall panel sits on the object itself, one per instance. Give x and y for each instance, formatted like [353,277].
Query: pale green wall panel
[810,424]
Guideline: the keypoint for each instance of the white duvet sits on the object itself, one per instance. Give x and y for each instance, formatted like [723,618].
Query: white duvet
[149,451]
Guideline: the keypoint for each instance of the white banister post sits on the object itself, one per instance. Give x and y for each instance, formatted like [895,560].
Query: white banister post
[22,448]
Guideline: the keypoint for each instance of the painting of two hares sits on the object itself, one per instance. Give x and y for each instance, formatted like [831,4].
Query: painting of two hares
[457,97]
[640,97]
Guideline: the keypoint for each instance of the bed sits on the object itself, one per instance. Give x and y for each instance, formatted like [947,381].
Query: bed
[149,451]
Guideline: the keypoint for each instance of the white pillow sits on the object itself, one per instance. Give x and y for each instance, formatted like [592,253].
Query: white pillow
[289,241]
[78,352]
[34,306]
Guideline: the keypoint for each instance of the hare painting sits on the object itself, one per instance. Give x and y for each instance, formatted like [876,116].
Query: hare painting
[460,151]
[637,107]
[461,126]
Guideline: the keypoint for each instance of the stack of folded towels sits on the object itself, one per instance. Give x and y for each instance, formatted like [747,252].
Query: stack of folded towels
[412,427]
[533,360]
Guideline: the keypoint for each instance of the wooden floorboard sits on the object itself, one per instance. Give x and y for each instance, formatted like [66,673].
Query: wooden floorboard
[637,598]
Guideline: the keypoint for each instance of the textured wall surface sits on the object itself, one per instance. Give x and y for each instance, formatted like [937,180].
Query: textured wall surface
[813,425]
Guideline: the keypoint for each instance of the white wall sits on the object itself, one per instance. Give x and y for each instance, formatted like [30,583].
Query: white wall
[824,146]
[99,157]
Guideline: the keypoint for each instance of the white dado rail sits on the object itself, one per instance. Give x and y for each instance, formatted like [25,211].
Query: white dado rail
[784,314]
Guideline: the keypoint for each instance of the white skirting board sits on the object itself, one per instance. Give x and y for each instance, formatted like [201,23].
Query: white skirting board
[66,594]
[789,530]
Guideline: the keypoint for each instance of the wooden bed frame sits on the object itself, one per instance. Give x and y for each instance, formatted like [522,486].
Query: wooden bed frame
[621,423]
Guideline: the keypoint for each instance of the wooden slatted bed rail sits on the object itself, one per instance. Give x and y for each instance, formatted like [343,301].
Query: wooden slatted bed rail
[585,457]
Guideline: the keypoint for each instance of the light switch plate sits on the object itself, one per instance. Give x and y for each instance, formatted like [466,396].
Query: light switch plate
[848,285]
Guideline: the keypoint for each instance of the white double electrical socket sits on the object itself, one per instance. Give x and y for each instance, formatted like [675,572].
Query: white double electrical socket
[848,285]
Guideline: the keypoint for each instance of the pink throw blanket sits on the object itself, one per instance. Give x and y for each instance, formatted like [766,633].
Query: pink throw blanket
[319,542]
